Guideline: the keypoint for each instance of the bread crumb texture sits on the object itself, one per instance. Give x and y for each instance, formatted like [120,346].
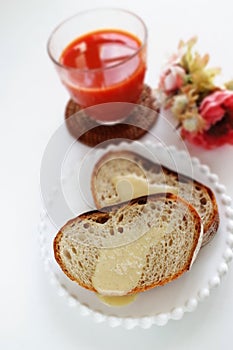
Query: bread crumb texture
[122,227]
[123,163]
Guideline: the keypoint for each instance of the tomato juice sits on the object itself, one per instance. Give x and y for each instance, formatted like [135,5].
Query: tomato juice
[104,66]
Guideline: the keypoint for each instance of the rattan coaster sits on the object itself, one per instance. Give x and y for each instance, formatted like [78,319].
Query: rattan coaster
[91,133]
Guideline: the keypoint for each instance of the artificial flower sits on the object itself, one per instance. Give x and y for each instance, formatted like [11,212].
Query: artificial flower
[229,85]
[199,76]
[203,110]
[179,105]
[184,108]
[217,112]
[215,106]
[172,79]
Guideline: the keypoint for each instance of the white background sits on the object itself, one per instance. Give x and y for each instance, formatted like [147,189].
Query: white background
[32,102]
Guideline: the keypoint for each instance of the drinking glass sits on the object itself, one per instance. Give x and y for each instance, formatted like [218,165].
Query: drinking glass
[121,76]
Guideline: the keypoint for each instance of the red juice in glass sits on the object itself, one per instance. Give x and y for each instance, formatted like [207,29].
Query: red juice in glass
[106,64]
[112,70]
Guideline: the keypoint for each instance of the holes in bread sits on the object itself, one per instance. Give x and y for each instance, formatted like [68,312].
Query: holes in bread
[143,276]
[198,188]
[102,218]
[120,229]
[169,202]
[142,201]
[80,264]
[185,222]
[86,225]
[170,242]
[74,250]
[67,254]
[203,201]
[120,218]
[111,232]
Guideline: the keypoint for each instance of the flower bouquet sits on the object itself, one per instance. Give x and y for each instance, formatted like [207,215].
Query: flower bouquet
[204,111]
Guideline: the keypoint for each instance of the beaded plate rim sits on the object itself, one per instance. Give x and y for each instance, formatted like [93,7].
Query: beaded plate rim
[176,313]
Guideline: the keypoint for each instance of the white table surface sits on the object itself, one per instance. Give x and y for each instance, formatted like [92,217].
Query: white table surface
[32,315]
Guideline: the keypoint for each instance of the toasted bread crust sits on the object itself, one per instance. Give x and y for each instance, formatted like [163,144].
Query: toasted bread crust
[95,214]
[210,226]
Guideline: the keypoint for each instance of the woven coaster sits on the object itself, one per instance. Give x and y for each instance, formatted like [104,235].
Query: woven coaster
[91,133]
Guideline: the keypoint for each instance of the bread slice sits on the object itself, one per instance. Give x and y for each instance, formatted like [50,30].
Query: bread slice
[124,163]
[130,247]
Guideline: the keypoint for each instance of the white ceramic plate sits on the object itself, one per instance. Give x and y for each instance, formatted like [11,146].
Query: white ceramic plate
[158,305]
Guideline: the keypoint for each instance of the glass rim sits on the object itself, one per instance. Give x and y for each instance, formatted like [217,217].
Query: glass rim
[57,63]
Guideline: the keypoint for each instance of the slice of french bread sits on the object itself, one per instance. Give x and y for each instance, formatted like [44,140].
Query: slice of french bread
[125,163]
[130,247]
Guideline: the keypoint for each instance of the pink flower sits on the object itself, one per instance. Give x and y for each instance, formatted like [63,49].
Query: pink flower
[172,79]
[214,107]
[217,112]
